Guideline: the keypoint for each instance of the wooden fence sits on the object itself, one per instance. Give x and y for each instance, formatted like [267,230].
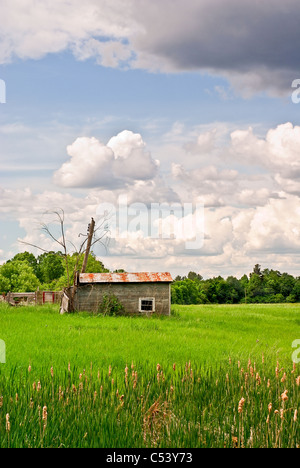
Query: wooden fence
[37,298]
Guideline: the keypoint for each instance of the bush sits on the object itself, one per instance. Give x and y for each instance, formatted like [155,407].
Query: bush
[111,306]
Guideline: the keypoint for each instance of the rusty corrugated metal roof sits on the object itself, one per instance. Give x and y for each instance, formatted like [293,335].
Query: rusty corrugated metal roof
[125,278]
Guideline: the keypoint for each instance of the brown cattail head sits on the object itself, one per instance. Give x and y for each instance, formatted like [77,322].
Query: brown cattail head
[283,379]
[7,423]
[270,407]
[241,405]
[284,396]
[45,414]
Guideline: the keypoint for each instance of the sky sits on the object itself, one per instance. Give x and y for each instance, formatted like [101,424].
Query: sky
[178,121]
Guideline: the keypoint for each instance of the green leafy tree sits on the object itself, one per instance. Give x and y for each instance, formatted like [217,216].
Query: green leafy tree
[17,276]
[50,267]
[27,257]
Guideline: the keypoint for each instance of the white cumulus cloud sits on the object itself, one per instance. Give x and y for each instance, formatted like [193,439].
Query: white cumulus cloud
[124,160]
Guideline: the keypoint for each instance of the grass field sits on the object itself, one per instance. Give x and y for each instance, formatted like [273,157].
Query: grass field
[204,377]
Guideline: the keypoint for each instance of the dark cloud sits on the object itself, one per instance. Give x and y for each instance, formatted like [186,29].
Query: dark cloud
[232,37]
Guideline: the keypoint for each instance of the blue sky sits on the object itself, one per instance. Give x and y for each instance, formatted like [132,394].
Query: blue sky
[173,105]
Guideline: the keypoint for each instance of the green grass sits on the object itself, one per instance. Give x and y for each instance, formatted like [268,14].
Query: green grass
[195,405]
[203,334]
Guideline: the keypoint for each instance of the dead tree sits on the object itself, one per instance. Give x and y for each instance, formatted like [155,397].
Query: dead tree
[95,234]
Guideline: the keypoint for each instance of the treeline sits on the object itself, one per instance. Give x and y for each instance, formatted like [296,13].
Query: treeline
[261,286]
[48,272]
[51,272]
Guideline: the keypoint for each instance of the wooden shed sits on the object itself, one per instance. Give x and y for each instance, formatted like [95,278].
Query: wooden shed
[139,293]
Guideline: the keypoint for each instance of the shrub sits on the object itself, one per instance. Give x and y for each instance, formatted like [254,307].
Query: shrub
[111,305]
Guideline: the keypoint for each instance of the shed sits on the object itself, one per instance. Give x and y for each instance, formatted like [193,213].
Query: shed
[139,293]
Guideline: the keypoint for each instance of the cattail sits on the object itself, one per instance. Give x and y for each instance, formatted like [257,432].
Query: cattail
[294,368]
[241,405]
[34,386]
[277,370]
[270,407]
[17,397]
[7,423]
[69,367]
[298,381]
[95,396]
[39,387]
[258,379]
[284,396]
[31,403]
[1,401]
[283,379]
[174,366]
[29,368]
[44,417]
[281,413]
[295,415]
[109,371]
[52,372]
[158,367]
[45,414]
[269,383]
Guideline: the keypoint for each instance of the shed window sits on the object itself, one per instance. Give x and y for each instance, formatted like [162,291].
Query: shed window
[147,304]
